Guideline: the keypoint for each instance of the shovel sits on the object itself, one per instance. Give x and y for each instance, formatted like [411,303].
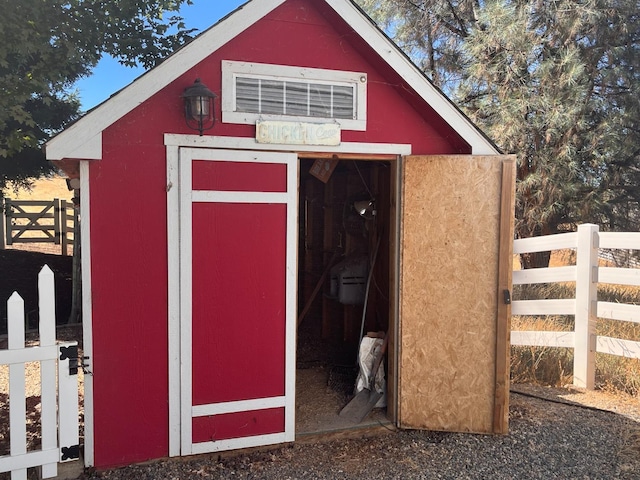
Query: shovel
[365,400]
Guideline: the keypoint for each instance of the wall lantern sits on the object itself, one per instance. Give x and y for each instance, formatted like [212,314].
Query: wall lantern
[199,106]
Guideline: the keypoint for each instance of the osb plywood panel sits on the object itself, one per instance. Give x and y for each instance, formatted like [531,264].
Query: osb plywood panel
[449,282]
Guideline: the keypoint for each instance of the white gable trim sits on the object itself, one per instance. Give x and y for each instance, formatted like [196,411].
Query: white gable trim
[414,77]
[83,139]
[85,145]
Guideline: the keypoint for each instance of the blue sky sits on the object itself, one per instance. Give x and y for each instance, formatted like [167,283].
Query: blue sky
[109,76]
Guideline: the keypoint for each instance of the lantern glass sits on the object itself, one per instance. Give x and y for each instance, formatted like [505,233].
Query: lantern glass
[200,108]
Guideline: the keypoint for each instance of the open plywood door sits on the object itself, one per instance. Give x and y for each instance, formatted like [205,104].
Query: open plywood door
[456,244]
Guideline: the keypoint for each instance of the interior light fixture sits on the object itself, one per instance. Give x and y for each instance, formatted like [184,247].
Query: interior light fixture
[365,208]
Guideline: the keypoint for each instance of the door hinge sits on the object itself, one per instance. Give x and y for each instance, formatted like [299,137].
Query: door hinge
[71,353]
[70,453]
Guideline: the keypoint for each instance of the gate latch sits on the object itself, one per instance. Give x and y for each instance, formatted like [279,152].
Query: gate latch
[84,365]
[507,297]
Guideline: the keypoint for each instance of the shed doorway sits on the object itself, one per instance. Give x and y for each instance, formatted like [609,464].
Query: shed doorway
[346,223]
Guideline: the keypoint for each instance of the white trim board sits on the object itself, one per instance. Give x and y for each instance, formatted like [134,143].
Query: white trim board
[236,443]
[244,143]
[185,318]
[173,294]
[83,139]
[238,406]
[87,313]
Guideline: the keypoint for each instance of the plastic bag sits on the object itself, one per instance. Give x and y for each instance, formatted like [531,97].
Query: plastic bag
[369,347]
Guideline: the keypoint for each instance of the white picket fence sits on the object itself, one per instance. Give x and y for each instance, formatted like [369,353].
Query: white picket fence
[59,406]
[585,306]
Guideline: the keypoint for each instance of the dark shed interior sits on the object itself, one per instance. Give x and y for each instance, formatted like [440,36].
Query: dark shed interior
[343,283]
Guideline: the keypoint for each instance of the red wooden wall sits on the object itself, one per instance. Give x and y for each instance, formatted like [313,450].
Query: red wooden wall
[128,213]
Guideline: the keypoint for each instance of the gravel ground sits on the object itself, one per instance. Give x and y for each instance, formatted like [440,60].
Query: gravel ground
[547,440]
[567,434]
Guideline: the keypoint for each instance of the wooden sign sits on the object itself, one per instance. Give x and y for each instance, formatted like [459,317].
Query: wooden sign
[298,133]
[322,168]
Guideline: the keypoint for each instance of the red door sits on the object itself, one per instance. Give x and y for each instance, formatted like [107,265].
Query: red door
[237,298]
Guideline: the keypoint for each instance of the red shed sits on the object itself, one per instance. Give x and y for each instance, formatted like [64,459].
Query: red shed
[229,274]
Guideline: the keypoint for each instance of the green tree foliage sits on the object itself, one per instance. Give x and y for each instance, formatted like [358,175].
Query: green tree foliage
[555,82]
[28,162]
[46,45]
[431,32]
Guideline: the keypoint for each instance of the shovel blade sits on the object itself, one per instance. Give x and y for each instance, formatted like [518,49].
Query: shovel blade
[360,406]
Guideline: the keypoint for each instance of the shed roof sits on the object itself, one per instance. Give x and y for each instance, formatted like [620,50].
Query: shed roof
[83,139]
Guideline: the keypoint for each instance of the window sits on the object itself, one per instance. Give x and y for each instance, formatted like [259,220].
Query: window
[252,92]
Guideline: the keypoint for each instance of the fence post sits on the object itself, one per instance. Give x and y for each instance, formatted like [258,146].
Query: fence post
[64,228]
[7,219]
[584,354]
[1,222]
[47,329]
[57,232]
[17,383]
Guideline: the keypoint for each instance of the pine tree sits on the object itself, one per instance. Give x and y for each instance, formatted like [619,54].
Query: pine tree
[556,83]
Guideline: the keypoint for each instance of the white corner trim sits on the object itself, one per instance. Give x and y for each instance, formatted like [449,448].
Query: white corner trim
[409,72]
[77,140]
[246,143]
[87,317]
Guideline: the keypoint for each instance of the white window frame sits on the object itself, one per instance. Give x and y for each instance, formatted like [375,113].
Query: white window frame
[232,69]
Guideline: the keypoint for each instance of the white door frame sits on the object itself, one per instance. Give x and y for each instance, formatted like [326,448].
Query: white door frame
[175,145]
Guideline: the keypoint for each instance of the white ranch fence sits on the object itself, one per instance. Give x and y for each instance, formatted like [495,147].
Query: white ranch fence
[38,221]
[59,406]
[585,306]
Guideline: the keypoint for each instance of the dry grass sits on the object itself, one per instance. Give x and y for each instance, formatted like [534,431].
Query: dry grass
[541,365]
[45,188]
[553,366]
